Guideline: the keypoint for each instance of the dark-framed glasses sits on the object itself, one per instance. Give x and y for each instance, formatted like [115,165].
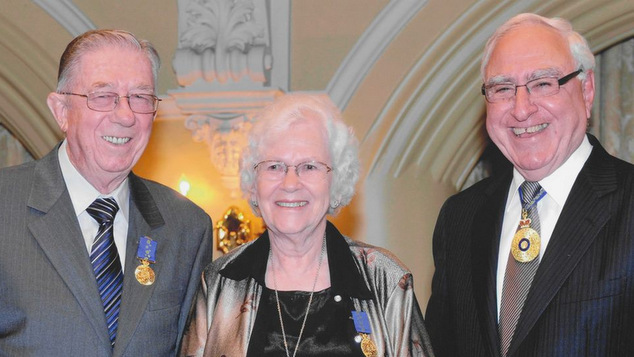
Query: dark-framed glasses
[540,87]
[274,170]
[108,101]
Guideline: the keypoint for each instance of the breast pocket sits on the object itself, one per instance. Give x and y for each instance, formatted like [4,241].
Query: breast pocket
[592,291]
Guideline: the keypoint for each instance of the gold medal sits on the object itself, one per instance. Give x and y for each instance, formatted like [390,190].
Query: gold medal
[144,274]
[367,346]
[526,241]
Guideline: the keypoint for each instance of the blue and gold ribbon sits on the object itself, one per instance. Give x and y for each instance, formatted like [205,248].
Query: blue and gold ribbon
[146,254]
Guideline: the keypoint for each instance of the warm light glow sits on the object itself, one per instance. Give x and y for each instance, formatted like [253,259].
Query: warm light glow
[183,185]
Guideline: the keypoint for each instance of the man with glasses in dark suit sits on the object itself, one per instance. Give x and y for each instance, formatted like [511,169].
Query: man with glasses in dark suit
[539,259]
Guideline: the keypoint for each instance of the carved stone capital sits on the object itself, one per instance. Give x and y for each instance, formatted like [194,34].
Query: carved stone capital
[222,120]
[223,42]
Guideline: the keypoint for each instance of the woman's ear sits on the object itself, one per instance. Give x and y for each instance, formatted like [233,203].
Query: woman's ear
[255,205]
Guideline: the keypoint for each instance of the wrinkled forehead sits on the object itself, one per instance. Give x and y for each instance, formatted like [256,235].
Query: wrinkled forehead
[304,135]
[113,65]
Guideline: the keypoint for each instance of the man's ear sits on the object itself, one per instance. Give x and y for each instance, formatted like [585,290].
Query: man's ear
[58,104]
[587,87]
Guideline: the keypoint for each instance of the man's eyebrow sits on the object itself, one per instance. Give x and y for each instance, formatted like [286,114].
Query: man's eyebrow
[540,73]
[111,87]
[101,85]
[145,88]
[547,72]
[499,80]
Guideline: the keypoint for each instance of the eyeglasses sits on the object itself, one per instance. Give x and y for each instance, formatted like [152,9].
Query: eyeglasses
[107,101]
[272,170]
[540,87]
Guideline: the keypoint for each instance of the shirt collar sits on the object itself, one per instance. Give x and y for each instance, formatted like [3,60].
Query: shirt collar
[345,278]
[559,183]
[81,192]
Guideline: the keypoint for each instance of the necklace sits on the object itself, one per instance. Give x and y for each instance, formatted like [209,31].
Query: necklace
[310,300]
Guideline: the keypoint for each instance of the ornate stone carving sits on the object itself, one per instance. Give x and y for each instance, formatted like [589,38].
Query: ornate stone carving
[224,66]
[223,41]
[225,137]
[222,120]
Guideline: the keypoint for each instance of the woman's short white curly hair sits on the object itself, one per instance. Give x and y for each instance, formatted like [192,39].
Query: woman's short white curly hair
[342,144]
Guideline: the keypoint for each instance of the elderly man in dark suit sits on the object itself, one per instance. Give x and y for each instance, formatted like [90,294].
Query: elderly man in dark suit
[94,260]
[538,260]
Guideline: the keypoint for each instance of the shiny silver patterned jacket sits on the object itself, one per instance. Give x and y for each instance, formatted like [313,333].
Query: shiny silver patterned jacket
[371,278]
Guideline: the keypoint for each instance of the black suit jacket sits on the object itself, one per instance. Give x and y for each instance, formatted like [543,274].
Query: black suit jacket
[581,302]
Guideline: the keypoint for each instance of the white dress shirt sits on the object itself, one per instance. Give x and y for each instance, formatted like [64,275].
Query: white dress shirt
[557,187]
[82,194]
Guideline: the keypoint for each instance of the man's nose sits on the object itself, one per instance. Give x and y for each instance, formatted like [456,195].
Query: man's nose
[523,106]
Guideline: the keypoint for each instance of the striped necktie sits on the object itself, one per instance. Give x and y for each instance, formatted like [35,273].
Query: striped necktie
[105,261]
[519,275]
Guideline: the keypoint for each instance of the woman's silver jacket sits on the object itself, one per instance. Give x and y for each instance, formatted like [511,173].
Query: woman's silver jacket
[371,277]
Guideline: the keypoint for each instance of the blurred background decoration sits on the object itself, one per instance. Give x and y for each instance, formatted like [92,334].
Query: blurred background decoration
[233,230]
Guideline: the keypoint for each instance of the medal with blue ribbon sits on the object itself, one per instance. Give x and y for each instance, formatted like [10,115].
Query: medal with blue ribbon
[526,241]
[146,254]
[362,325]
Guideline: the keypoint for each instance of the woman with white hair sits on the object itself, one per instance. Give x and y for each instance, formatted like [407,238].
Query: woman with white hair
[302,288]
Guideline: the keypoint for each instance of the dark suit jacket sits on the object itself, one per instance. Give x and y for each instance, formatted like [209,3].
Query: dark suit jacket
[49,301]
[581,302]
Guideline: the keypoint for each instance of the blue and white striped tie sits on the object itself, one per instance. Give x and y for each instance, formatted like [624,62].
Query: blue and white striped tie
[105,261]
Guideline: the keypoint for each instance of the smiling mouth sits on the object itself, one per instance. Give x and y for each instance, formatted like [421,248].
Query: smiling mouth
[116,140]
[530,130]
[292,204]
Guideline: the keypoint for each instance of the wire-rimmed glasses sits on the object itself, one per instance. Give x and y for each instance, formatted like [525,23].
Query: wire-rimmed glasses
[108,101]
[274,170]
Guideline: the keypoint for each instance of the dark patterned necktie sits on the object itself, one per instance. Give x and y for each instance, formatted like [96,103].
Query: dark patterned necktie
[105,261]
[519,275]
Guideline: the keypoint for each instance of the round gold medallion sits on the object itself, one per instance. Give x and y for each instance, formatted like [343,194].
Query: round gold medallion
[144,275]
[367,346]
[525,245]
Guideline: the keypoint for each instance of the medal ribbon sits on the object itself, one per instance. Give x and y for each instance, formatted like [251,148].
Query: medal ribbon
[147,249]
[528,205]
[362,325]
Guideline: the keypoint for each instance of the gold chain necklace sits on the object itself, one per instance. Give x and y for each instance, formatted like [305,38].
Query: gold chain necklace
[310,300]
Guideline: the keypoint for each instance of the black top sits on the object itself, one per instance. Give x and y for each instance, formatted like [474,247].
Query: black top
[329,330]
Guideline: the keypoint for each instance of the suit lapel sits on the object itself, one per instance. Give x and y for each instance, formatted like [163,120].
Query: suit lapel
[582,218]
[143,220]
[58,234]
[486,230]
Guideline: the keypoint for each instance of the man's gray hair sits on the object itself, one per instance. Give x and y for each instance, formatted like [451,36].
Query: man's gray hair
[578,45]
[96,39]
